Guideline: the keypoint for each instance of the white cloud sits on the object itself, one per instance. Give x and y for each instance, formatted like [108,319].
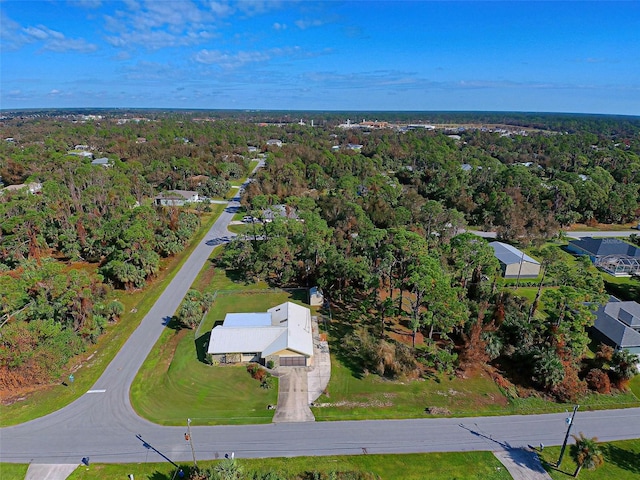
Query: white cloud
[159,24]
[238,59]
[55,41]
[304,24]
[86,3]
[279,26]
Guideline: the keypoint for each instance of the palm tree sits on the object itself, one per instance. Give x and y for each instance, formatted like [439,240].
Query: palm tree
[588,453]
[227,469]
[624,364]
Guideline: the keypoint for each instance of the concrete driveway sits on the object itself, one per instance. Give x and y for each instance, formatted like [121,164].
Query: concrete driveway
[522,464]
[293,396]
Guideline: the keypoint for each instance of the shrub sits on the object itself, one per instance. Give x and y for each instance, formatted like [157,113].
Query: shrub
[599,381]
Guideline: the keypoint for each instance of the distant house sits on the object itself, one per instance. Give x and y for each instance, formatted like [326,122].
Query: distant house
[32,187]
[283,334]
[274,143]
[176,198]
[354,146]
[102,161]
[274,211]
[252,149]
[618,325]
[618,258]
[316,298]
[515,263]
[81,153]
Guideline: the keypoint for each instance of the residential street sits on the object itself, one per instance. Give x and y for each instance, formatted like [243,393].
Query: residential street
[102,425]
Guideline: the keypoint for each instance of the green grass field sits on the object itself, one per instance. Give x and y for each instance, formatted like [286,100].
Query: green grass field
[12,471]
[433,466]
[621,462]
[174,383]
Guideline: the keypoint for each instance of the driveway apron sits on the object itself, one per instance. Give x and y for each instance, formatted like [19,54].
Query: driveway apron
[293,396]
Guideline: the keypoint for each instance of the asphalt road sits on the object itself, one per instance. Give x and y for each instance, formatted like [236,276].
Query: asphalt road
[102,425]
[570,234]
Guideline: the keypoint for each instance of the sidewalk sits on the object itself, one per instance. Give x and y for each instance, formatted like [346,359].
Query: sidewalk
[42,471]
[319,372]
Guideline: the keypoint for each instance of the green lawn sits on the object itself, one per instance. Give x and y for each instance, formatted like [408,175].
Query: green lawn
[97,357]
[624,288]
[12,471]
[621,462]
[352,396]
[174,383]
[433,466]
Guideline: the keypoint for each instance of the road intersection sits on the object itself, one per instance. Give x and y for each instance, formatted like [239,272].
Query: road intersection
[101,425]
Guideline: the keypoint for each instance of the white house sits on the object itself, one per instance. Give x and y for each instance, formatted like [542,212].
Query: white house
[32,187]
[282,334]
[102,161]
[274,142]
[176,198]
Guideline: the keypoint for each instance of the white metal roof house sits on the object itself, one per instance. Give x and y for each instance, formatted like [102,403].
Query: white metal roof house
[515,263]
[281,334]
[102,161]
[618,324]
[176,198]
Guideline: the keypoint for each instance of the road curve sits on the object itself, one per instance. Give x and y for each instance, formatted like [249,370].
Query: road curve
[102,425]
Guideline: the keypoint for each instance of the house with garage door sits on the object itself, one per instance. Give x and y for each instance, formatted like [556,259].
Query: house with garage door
[282,334]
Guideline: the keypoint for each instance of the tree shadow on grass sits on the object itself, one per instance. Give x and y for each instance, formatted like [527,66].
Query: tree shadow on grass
[173,323]
[171,476]
[202,344]
[624,291]
[621,458]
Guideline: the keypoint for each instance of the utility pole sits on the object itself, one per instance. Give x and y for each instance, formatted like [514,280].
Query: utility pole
[566,437]
[190,440]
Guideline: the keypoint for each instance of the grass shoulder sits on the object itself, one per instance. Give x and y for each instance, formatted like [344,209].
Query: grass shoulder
[434,466]
[621,462]
[88,367]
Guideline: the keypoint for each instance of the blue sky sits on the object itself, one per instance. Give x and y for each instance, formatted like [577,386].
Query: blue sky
[328,55]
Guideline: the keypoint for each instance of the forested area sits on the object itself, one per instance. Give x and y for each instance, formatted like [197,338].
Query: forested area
[89,229]
[378,229]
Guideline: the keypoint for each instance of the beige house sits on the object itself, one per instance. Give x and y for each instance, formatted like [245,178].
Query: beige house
[515,263]
[282,335]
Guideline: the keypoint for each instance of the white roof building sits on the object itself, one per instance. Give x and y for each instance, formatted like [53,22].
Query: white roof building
[282,334]
[515,263]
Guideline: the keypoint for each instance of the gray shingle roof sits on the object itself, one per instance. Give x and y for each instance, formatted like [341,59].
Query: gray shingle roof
[605,246]
[608,323]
